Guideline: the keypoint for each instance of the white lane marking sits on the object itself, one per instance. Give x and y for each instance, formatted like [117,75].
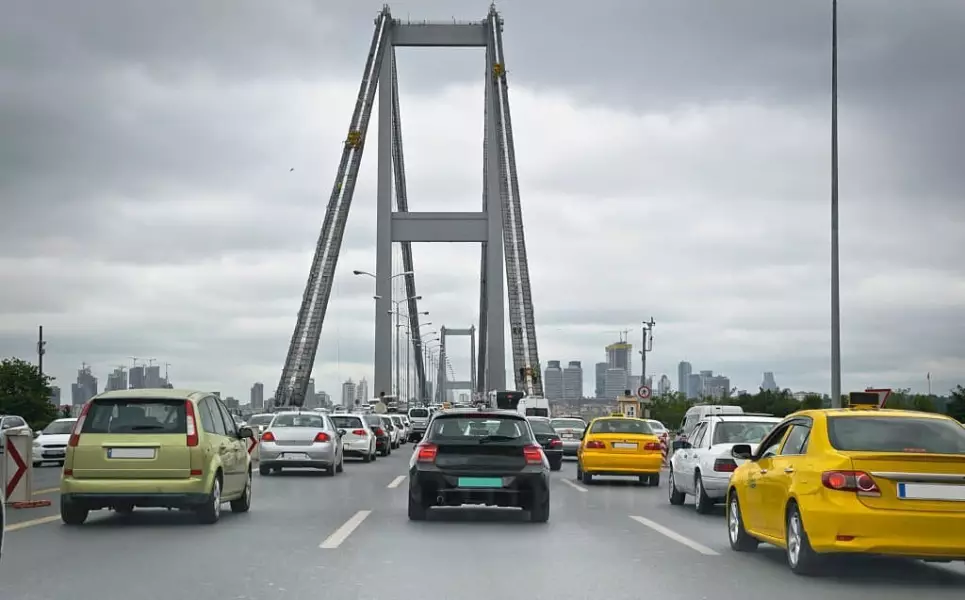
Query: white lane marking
[341,534]
[686,541]
[396,482]
[31,523]
[575,486]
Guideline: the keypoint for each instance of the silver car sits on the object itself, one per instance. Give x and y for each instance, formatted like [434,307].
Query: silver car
[301,440]
[571,431]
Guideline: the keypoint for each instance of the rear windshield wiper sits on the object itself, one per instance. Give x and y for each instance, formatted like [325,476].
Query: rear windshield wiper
[496,438]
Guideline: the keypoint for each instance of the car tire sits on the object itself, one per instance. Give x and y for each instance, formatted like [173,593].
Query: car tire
[703,503]
[540,511]
[801,557]
[654,480]
[72,514]
[37,464]
[556,465]
[340,467]
[210,512]
[676,496]
[330,470]
[417,510]
[263,470]
[243,504]
[740,540]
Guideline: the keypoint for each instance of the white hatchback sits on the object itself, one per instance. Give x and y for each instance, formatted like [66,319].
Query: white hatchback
[358,439]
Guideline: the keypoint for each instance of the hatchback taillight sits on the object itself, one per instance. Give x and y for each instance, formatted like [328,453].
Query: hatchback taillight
[75,434]
[192,424]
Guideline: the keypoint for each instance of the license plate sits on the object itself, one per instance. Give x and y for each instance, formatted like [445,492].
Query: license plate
[131,452]
[624,445]
[568,435]
[54,453]
[481,482]
[931,491]
[292,456]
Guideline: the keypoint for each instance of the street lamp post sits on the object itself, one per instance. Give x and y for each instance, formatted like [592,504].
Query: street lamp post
[398,389]
[835,272]
[381,365]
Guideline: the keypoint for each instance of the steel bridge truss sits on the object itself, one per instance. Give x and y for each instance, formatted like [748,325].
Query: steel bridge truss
[499,221]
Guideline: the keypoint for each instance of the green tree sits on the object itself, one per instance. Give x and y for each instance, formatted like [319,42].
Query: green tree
[956,406]
[25,392]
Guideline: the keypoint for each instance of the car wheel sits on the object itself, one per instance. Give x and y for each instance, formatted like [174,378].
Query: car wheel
[556,465]
[210,512]
[417,510]
[264,470]
[340,467]
[676,496]
[71,513]
[740,540]
[540,512]
[703,503]
[801,557]
[243,504]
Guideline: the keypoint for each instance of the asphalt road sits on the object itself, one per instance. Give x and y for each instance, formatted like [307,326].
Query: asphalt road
[309,536]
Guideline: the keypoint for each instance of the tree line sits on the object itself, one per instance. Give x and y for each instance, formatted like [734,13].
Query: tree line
[671,408]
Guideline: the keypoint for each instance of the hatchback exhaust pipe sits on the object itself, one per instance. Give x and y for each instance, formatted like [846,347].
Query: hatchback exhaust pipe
[440,500]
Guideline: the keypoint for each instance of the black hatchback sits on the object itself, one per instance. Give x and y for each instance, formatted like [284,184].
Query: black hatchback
[549,439]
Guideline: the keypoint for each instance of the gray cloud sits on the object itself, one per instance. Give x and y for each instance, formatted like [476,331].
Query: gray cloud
[165,170]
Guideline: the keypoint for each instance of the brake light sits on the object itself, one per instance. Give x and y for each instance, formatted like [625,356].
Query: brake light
[192,425]
[653,447]
[268,437]
[595,445]
[725,465]
[851,481]
[321,436]
[427,452]
[533,454]
[555,443]
[359,432]
[75,434]
[379,432]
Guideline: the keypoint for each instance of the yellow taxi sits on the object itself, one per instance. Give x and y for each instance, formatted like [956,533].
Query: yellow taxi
[856,480]
[619,445]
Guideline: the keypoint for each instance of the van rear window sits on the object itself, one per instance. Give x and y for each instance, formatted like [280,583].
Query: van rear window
[896,434]
[135,415]
[418,413]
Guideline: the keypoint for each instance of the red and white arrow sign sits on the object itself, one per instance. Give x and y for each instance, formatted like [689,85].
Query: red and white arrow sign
[252,442]
[14,480]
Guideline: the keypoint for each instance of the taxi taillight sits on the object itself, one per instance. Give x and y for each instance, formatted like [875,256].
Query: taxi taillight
[653,447]
[851,481]
[595,445]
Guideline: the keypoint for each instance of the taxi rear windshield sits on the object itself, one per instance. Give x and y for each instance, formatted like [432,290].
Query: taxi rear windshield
[896,434]
[482,428]
[135,415]
[626,426]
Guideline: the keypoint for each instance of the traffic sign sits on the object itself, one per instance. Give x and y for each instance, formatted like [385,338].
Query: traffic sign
[643,392]
[13,479]
[883,395]
[252,442]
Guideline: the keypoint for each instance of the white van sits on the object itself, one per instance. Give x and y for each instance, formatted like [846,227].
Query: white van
[532,406]
[695,414]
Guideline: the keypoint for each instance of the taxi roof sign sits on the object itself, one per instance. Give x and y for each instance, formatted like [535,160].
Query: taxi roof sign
[863,399]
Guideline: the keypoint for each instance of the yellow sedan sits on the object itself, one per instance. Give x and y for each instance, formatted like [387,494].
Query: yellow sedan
[619,445]
[855,480]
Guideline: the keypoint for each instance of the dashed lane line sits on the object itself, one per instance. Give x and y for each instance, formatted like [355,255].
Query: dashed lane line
[31,523]
[341,534]
[575,486]
[396,482]
[686,541]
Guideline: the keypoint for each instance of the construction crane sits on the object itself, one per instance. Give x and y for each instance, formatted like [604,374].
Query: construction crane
[151,361]
[134,360]
[166,366]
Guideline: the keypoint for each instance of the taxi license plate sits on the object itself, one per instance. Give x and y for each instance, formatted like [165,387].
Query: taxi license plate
[294,456]
[481,482]
[931,491]
[624,445]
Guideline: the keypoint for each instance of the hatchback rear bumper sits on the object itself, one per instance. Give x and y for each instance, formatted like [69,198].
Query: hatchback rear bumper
[160,493]
[440,488]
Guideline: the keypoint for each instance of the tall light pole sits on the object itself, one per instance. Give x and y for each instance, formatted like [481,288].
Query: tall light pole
[397,325]
[835,273]
[381,365]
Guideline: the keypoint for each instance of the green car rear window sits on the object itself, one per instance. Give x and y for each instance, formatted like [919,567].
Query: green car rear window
[135,415]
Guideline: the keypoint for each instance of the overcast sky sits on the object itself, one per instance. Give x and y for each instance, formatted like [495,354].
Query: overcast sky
[674,162]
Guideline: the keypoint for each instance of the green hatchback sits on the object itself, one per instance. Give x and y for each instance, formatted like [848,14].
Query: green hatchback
[156,448]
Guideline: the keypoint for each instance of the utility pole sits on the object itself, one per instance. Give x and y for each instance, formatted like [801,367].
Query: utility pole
[646,331]
[835,258]
[41,349]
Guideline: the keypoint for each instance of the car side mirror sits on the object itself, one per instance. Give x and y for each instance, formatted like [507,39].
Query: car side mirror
[742,451]
[246,433]
[341,432]
[681,445]
[36,434]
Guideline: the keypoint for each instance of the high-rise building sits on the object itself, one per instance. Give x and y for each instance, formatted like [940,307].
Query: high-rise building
[769,385]
[349,394]
[137,379]
[716,386]
[362,391]
[55,395]
[553,381]
[599,383]
[117,380]
[152,377]
[573,381]
[663,387]
[85,388]
[695,386]
[618,356]
[684,369]
[616,383]
[257,397]
[310,400]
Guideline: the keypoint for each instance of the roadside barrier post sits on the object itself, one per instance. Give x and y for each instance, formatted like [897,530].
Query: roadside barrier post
[16,471]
